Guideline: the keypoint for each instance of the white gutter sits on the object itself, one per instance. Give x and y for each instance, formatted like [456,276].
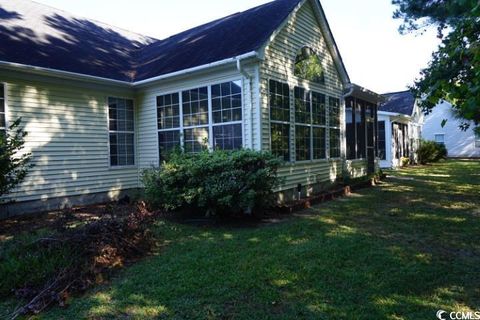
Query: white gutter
[60,73]
[79,76]
[198,68]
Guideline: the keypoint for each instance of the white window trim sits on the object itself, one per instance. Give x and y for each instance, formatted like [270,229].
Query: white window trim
[5,103]
[135,160]
[210,123]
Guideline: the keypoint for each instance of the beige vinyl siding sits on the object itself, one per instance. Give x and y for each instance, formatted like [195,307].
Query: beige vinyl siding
[302,29]
[68,138]
[147,112]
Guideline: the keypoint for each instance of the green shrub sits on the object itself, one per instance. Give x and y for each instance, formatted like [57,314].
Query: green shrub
[13,167]
[217,183]
[431,151]
[404,162]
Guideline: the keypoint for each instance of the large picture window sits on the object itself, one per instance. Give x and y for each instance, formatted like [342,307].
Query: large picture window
[121,131]
[279,98]
[209,117]
[3,120]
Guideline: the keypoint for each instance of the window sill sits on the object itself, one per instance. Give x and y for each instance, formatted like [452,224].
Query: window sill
[122,167]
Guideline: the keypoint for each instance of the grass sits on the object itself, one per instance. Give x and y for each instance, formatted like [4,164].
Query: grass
[399,251]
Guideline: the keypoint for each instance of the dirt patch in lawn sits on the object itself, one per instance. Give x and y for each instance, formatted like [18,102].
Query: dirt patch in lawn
[74,216]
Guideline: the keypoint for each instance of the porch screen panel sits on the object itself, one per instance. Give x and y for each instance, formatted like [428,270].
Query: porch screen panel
[381,141]
[350,129]
[279,102]
[3,122]
[121,131]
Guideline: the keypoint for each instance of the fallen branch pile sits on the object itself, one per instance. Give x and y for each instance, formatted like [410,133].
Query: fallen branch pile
[99,248]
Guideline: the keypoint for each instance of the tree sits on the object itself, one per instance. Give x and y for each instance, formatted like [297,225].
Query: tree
[14,166]
[453,74]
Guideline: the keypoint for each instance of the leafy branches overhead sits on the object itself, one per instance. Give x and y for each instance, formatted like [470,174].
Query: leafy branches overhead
[13,166]
[453,74]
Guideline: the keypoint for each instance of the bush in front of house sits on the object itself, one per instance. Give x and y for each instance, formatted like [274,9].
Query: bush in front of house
[215,183]
[431,151]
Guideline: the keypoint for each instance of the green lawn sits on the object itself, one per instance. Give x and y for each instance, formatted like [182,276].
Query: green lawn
[399,251]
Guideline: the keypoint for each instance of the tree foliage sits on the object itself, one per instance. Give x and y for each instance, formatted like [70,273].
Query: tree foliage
[13,165]
[453,74]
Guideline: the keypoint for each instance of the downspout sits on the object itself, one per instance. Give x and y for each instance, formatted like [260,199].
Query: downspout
[250,87]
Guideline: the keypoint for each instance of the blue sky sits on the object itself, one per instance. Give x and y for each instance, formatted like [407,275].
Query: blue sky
[375,54]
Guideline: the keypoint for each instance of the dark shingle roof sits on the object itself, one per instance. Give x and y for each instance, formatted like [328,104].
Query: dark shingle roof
[399,102]
[38,35]
[218,40]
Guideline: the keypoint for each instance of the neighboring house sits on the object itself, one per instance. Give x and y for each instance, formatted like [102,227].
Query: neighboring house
[459,143]
[101,104]
[399,129]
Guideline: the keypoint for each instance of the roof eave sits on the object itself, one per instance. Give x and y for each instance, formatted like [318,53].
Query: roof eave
[249,55]
[62,74]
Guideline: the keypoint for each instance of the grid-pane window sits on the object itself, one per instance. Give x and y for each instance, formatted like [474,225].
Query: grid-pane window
[334,143]
[195,139]
[318,109]
[334,112]
[168,111]
[302,143]
[185,122]
[279,101]
[227,137]
[319,143]
[3,123]
[195,107]
[227,102]
[281,140]
[302,105]
[168,141]
[121,130]
[381,140]
[279,98]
